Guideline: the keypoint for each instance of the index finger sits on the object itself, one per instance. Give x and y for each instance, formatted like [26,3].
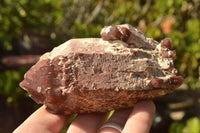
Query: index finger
[41,121]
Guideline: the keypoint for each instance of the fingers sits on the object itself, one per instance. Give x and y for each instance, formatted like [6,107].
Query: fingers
[138,120]
[119,119]
[42,121]
[87,123]
[141,118]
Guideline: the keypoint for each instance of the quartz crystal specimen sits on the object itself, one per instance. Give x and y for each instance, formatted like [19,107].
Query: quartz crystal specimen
[101,74]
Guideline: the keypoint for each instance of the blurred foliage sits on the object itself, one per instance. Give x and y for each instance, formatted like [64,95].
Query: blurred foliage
[19,16]
[192,126]
[65,19]
[9,81]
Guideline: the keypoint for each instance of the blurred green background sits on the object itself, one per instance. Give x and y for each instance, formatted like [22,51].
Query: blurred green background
[34,27]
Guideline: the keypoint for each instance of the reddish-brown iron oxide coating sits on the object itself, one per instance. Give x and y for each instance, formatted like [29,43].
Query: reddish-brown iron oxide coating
[102,74]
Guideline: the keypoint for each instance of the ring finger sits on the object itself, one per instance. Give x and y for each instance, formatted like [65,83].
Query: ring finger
[116,122]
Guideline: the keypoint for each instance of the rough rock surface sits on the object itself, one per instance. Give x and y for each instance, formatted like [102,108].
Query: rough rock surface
[102,74]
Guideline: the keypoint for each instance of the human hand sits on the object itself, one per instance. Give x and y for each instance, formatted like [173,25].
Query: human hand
[136,120]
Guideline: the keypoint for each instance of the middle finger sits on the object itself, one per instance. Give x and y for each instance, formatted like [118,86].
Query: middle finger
[87,123]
